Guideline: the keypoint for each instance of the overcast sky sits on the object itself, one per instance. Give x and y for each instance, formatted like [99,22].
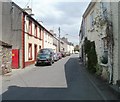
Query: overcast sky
[66,14]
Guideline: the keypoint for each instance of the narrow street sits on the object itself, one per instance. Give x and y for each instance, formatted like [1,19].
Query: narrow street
[66,79]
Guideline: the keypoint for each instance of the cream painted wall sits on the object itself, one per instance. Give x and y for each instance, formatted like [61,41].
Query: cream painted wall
[94,35]
[31,39]
[48,41]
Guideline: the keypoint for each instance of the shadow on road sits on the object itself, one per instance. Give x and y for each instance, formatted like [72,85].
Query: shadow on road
[79,88]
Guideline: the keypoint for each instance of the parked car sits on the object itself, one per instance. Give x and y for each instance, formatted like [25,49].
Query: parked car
[59,55]
[76,52]
[63,54]
[45,56]
[56,57]
[67,53]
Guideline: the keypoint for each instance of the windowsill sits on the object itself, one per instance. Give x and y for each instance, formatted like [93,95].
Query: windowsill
[91,29]
[30,59]
[105,65]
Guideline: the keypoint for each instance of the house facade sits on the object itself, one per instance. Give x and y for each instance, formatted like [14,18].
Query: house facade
[12,30]
[67,46]
[48,40]
[33,39]
[100,24]
[25,34]
[56,44]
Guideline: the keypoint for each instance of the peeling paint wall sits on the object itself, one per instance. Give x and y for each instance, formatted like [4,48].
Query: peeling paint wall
[114,8]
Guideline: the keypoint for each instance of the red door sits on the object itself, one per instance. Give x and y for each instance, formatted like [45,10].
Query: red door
[35,47]
[15,58]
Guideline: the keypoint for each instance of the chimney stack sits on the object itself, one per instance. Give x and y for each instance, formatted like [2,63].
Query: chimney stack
[28,10]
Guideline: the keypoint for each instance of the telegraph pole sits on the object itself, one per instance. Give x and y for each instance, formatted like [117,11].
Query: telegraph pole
[59,38]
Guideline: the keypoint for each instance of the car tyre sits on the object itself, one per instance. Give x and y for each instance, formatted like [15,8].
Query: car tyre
[50,63]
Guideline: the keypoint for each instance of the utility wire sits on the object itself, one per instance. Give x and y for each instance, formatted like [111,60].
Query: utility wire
[68,34]
[27,3]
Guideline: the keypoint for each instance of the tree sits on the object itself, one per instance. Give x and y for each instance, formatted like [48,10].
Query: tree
[76,48]
[90,52]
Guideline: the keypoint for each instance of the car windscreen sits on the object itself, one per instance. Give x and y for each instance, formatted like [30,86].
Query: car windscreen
[44,51]
[43,55]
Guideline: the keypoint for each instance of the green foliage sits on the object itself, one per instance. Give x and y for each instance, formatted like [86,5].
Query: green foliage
[87,45]
[98,70]
[90,51]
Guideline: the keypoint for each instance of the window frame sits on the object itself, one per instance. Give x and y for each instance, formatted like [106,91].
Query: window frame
[30,27]
[30,51]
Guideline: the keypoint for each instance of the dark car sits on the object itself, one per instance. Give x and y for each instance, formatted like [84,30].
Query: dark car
[59,55]
[51,52]
[63,54]
[45,56]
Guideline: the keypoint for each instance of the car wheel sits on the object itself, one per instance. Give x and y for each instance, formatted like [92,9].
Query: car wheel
[51,63]
[36,64]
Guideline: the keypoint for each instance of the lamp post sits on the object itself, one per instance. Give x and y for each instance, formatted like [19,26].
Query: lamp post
[59,38]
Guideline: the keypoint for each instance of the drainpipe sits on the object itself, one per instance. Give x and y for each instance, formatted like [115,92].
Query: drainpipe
[23,41]
[112,51]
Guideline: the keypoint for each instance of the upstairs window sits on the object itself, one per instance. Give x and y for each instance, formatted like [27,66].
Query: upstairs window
[91,19]
[40,33]
[30,27]
[35,30]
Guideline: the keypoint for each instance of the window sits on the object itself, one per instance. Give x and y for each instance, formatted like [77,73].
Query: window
[39,47]
[30,27]
[40,33]
[104,6]
[30,52]
[35,30]
[105,44]
[91,19]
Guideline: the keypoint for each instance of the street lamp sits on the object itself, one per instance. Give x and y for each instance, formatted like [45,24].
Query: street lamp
[59,38]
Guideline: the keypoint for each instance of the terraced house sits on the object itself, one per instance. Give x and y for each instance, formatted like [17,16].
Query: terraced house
[100,24]
[25,34]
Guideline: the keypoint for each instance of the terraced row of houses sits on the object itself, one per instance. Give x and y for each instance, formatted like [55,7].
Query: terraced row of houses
[24,36]
[100,24]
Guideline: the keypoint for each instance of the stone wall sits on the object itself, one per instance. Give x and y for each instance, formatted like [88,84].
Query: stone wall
[6,56]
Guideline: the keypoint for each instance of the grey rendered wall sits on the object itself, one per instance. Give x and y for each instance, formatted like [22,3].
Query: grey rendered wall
[119,39]
[17,31]
[6,22]
[12,26]
[1,21]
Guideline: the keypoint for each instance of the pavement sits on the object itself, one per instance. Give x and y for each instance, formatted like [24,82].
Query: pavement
[116,90]
[66,79]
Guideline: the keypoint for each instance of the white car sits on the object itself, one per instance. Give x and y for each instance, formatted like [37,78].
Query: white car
[76,52]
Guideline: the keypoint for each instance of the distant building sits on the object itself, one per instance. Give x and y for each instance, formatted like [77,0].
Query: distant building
[67,46]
